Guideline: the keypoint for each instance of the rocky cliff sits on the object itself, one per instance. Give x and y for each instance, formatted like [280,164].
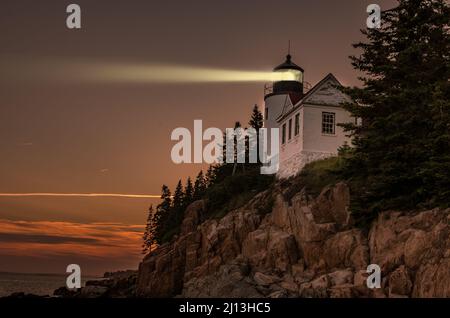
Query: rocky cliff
[301,247]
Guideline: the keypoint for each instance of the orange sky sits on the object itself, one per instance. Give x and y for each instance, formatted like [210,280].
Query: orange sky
[60,136]
[106,244]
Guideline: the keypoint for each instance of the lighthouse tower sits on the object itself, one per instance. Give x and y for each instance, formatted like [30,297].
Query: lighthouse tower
[285,91]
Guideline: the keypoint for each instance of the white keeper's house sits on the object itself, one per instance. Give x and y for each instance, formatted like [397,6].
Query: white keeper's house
[307,118]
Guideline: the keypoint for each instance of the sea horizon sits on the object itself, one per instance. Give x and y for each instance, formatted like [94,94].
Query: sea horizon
[42,284]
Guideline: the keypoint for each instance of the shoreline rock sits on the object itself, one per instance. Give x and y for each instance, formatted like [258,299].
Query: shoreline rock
[305,247]
[121,284]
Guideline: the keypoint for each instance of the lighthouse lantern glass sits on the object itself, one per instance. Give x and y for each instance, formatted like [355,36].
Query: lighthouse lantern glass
[288,75]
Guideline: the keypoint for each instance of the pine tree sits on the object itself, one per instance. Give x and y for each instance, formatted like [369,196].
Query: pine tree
[162,214]
[149,232]
[166,197]
[237,140]
[199,186]
[401,150]
[210,177]
[177,211]
[178,196]
[189,192]
[256,120]
[436,171]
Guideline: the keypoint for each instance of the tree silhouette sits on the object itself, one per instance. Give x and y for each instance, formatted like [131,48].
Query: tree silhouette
[256,120]
[189,192]
[401,154]
[210,177]
[199,186]
[178,196]
[149,232]
[162,214]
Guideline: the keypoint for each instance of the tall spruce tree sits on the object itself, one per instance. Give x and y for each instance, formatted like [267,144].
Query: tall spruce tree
[256,120]
[199,186]
[162,214]
[401,154]
[237,140]
[149,232]
[188,192]
[177,206]
[210,177]
[178,196]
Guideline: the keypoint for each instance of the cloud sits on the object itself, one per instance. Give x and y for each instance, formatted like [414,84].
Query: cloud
[42,238]
[50,194]
[68,239]
[26,144]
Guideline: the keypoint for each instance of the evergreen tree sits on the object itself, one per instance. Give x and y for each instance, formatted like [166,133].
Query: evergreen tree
[149,232]
[178,196]
[189,192]
[199,186]
[436,170]
[162,214]
[237,140]
[166,197]
[401,150]
[210,177]
[177,210]
[256,120]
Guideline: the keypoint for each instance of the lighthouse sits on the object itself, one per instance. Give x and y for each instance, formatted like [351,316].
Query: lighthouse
[307,118]
[284,92]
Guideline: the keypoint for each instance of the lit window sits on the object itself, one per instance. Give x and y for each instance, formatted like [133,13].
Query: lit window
[297,124]
[290,129]
[283,134]
[328,123]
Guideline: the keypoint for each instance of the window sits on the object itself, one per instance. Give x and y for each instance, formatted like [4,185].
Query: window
[290,129]
[283,134]
[328,123]
[267,113]
[297,124]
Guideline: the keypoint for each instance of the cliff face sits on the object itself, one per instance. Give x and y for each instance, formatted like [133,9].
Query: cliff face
[302,248]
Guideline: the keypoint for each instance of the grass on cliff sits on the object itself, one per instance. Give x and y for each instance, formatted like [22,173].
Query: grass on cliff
[314,177]
[235,191]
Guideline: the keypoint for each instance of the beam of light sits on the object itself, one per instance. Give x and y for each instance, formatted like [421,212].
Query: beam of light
[122,72]
[48,194]
[180,74]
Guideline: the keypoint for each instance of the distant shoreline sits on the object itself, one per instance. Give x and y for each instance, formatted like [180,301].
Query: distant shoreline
[45,274]
[36,284]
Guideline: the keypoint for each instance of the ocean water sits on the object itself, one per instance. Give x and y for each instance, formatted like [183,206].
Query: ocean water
[38,284]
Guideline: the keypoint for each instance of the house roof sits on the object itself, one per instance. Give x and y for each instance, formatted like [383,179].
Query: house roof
[311,92]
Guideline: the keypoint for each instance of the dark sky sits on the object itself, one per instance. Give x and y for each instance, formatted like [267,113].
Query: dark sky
[81,137]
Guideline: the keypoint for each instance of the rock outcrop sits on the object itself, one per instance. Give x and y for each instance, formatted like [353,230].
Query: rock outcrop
[304,247]
[121,284]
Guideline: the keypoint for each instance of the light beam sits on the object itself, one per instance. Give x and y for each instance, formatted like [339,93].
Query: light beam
[86,70]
